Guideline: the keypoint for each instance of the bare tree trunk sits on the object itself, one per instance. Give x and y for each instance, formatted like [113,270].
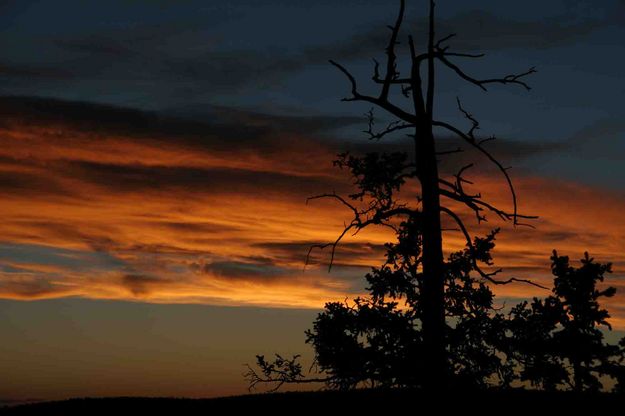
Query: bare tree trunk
[433,268]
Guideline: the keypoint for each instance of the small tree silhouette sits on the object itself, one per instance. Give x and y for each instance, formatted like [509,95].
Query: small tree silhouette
[557,341]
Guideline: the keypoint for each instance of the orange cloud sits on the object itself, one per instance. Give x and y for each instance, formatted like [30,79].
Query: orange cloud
[109,212]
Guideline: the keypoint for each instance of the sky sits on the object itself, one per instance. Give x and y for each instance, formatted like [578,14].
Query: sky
[156,157]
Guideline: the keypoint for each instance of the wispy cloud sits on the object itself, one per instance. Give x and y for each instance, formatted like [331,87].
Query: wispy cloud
[189,57]
[106,203]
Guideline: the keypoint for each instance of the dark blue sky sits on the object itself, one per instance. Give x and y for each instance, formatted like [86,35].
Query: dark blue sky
[185,57]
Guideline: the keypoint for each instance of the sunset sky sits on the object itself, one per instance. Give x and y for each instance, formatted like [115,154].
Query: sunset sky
[156,157]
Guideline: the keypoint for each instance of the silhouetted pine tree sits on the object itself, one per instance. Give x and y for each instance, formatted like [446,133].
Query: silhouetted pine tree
[558,341]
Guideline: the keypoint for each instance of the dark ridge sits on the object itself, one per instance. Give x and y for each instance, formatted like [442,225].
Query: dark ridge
[336,402]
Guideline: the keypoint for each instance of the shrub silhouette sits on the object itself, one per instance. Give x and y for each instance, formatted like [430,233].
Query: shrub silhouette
[558,340]
[377,340]
[551,344]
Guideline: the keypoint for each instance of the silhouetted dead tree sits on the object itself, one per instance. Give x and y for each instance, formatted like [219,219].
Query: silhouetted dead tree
[418,87]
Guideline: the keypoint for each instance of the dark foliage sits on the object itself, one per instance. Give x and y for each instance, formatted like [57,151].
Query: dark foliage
[558,340]
[551,344]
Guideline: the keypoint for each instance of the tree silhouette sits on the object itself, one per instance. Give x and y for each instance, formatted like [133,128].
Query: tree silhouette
[557,341]
[428,321]
[377,340]
[380,176]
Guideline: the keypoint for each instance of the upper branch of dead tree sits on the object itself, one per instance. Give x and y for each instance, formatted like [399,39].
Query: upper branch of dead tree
[437,51]
[391,127]
[470,138]
[508,79]
[391,62]
[475,125]
[423,101]
[379,101]
[455,191]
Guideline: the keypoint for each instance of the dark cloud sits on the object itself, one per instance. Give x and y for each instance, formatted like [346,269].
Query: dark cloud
[279,139]
[156,249]
[33,184]
[476,30]
[27,287]
[207,126]
[599,130]
[95,44]
[557,238]
[139,54]
[200,228]
[480,30]
[140,285]
[509,152]
[296,252]
[55,231]
[262,269]
[25,72]
[190,181]
[226,127]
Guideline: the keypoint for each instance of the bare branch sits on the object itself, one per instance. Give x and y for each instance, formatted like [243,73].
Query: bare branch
[487,276]
[361,220]
[279,372]
[463,55]
[443,40]
[449,152]
[508,79]
[439,50]
[475,125]
[382,103]
[326,245]
[478,206]
[391,127]
[490,157]
[335,196]
[391,65]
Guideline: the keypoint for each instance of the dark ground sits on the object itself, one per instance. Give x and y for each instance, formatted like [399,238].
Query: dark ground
[363,402]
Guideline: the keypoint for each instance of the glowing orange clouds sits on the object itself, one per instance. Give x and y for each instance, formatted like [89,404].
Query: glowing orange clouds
[189,213]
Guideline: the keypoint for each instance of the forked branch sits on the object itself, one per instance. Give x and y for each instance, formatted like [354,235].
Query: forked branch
[372,215]
[278,372]
[391,127]
[517,79]
[490,276]
[478,145]
[379,101]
